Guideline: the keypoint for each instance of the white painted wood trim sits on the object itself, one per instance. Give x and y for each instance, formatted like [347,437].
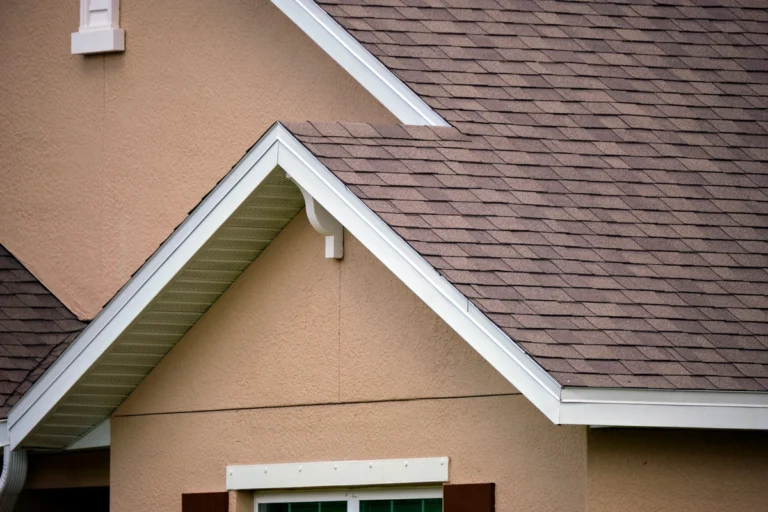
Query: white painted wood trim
[97,437]
[374,76]
[345,473]
[664,408]
[131,300]
[99,30]
[573,406]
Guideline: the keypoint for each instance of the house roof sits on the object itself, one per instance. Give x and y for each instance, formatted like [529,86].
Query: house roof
[606,276]
[35,328]
[594,223]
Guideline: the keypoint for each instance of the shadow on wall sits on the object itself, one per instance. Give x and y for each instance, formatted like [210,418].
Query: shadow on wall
[90,499]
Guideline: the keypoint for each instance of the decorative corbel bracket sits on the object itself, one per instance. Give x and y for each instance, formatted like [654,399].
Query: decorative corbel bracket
[324,224]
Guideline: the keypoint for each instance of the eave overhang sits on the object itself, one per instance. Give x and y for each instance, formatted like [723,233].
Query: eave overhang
[85,371]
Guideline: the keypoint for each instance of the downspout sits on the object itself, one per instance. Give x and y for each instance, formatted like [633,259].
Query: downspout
[14,472]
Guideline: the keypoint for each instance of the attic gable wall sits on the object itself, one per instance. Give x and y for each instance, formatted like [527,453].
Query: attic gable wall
[297,328]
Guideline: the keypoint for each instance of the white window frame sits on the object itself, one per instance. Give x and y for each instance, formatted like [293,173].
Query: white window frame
[351,496]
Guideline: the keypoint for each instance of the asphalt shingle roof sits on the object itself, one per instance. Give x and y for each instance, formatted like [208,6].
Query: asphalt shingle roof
[603,195]
[35,328]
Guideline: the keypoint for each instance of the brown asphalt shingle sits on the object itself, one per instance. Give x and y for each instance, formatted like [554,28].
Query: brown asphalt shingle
[35,328]
[603,195]
[604,275]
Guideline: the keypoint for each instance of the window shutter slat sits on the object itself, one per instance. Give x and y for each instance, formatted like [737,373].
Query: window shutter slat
[205,502]
[469,498]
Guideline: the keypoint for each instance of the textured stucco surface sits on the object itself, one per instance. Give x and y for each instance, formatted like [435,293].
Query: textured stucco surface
[677,470]
[297,328]
[68,469]
[502,439]
[304,359]
[101,156]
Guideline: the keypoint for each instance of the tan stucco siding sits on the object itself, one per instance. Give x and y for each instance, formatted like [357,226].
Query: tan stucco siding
[101,156]
[503,439]
[305,359]
[297,328]
[677,470]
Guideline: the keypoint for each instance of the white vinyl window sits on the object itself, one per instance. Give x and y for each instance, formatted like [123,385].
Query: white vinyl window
[353,500]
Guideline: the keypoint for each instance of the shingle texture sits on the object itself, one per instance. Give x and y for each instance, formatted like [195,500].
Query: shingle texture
[603,196]
[35,328]
[606,273]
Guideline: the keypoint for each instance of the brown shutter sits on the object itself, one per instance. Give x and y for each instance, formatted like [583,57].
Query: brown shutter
[469,498]
[205,502]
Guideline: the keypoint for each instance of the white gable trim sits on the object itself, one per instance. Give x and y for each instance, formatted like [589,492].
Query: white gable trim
[279,148]
[374,76]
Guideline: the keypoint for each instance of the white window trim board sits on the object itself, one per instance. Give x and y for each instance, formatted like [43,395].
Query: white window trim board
[575,406]
[345,473]
[374,76]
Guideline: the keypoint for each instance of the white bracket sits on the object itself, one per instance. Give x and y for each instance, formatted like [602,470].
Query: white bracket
[324,224]
[99,28]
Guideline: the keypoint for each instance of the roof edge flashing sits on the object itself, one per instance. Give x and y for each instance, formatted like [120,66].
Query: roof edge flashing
[375,77]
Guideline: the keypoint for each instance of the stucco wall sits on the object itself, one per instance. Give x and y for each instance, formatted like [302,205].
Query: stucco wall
[677,470]
[305,358]
[101,156]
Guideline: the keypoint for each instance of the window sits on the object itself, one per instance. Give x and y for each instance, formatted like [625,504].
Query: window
[353,500]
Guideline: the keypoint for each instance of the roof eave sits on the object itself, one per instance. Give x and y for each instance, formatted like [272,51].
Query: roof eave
[278,148]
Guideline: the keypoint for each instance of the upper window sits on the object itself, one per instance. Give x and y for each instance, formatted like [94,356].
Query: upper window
[353,500]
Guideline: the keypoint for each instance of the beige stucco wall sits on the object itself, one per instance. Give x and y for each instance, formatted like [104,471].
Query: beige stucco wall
[677,470]
[101,156]
[305,358]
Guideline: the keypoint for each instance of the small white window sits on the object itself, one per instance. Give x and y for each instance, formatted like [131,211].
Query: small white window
[427,499]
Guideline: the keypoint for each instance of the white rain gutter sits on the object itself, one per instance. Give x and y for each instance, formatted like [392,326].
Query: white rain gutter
[14,471]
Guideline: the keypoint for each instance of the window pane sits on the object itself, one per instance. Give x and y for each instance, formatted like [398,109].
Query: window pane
[419,505]
[309,506]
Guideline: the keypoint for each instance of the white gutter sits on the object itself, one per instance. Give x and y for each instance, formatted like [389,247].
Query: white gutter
[14,471]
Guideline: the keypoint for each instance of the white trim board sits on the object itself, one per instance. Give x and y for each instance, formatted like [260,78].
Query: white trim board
[343,473]
[374,76]
[572,406]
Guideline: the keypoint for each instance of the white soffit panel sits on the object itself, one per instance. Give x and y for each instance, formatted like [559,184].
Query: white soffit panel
[374,76]
[346,473]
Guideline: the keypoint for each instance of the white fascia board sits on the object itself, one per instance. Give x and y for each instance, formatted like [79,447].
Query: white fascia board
[142,288]
[664,408]
[374,76]
[343,473]
[97,437]
[574,406]
[418,275]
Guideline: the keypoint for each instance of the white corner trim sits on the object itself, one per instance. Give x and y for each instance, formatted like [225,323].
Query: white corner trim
[324,224]
[344,473]
[374,76]
[97,437]
[100,30]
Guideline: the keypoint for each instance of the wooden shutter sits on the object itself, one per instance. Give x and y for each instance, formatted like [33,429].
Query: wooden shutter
[469,498]
[205,502]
